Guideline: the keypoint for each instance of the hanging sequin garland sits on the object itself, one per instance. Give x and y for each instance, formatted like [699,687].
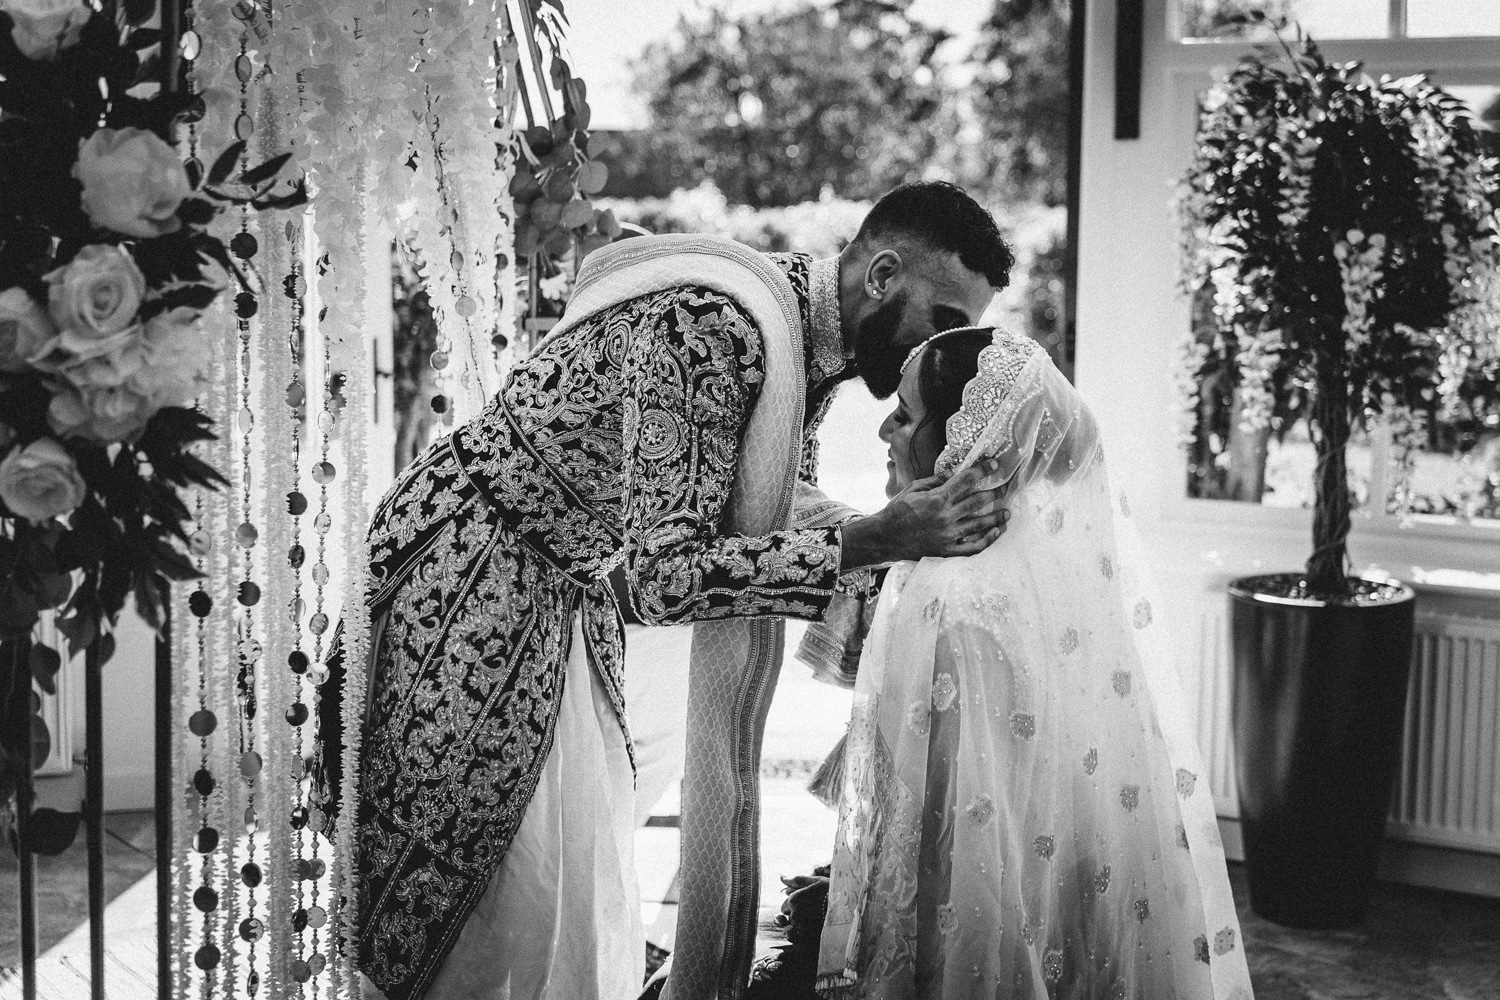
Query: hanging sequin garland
[202,761]
[266,891]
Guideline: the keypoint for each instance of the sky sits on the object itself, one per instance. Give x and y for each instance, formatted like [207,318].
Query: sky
[605,35]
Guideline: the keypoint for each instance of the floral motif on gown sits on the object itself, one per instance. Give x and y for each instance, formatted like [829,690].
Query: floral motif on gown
[614,441]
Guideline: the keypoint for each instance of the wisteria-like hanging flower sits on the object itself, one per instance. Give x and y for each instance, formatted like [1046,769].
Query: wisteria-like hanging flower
[1314,195]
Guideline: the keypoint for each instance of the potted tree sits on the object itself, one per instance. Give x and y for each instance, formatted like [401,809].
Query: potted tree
[1340,238]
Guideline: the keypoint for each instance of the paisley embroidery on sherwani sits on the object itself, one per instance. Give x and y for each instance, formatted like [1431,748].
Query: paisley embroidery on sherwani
[617,440]
[460,724]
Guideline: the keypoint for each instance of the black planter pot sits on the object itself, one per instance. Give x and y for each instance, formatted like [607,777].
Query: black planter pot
[1319,692]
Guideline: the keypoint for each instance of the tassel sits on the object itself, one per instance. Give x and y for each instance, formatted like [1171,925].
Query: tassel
[827,784]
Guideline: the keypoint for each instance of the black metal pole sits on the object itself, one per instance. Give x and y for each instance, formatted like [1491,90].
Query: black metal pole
[19,703]
[164,809]
[93,810]
[172,79]
[171,38]
[1130,27]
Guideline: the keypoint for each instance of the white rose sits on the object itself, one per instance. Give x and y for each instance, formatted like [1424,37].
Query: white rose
[40,481]
[25,328]
[111,362]
[93,297]
[43,28]
[176,355]
[105,415]
[132,181]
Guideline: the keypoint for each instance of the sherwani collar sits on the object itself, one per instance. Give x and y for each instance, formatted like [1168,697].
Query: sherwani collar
[825,334]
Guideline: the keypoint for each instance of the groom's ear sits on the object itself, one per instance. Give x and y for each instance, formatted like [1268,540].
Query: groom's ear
[883,273]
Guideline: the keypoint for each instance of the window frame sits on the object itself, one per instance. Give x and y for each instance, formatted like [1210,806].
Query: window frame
[1188,69]
[1397,28]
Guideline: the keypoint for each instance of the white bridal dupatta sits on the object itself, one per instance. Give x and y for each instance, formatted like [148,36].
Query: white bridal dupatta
[1024,813]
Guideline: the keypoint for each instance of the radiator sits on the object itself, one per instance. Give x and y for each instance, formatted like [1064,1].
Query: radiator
[1447,791]
[1448,785]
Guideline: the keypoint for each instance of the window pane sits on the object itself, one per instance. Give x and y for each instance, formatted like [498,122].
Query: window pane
[1460,475]
[1457,471]
[1344,18]
[1292,462]
[1323,19]
[1447,19]
[1272,466]
[1484,105]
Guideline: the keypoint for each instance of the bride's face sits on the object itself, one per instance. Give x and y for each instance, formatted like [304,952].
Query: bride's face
[912,441]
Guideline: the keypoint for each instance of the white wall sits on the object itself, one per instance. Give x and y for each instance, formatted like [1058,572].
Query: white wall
[129,726]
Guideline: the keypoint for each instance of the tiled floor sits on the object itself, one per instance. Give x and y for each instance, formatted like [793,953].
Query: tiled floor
[1417,944]
[62,882]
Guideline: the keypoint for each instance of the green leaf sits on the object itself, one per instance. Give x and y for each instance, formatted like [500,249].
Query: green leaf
[559,188]
[148,600]
[45,663]
[166,508]
[196,211]
[51,832]
[139,11]
[9,766]
[171,563]
[200,473]
[18,609]
[80,629]
[263,172]
[192,296]
[592,177]
[224,165]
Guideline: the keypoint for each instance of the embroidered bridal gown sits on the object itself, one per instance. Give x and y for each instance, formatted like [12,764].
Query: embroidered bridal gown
[1024,814]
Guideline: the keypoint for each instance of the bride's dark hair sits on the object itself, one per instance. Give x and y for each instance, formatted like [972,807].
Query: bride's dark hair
[948,364]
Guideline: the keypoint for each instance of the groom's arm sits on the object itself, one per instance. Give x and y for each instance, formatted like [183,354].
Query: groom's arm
[695,374]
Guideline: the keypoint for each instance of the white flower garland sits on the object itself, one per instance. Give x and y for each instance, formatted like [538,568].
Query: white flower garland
[1466,344]
[356,642]
[1299,149]
[397,109]
[1359,268]
[283,759]
[1186,375]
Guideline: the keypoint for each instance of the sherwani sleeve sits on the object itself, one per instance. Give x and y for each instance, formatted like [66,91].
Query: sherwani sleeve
[694,375]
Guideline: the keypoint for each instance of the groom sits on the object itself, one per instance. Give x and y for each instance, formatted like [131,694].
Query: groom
[668,422]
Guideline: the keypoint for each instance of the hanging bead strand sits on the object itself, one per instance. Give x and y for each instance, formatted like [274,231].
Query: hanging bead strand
[248,652]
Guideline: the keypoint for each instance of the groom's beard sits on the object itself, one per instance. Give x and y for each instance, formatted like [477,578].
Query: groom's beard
[877,353]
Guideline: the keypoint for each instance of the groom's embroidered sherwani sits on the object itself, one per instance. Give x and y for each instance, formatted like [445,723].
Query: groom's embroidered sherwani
[618,439]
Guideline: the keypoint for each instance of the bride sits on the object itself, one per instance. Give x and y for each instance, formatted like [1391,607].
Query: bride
[1023,813]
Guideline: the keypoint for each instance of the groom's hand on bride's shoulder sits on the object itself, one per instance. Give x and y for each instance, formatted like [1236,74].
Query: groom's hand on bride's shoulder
[931,517]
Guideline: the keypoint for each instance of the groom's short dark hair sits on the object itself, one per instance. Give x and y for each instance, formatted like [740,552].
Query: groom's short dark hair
[941,217]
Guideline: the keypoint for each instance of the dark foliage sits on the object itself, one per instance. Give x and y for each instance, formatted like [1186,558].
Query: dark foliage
[126,536]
